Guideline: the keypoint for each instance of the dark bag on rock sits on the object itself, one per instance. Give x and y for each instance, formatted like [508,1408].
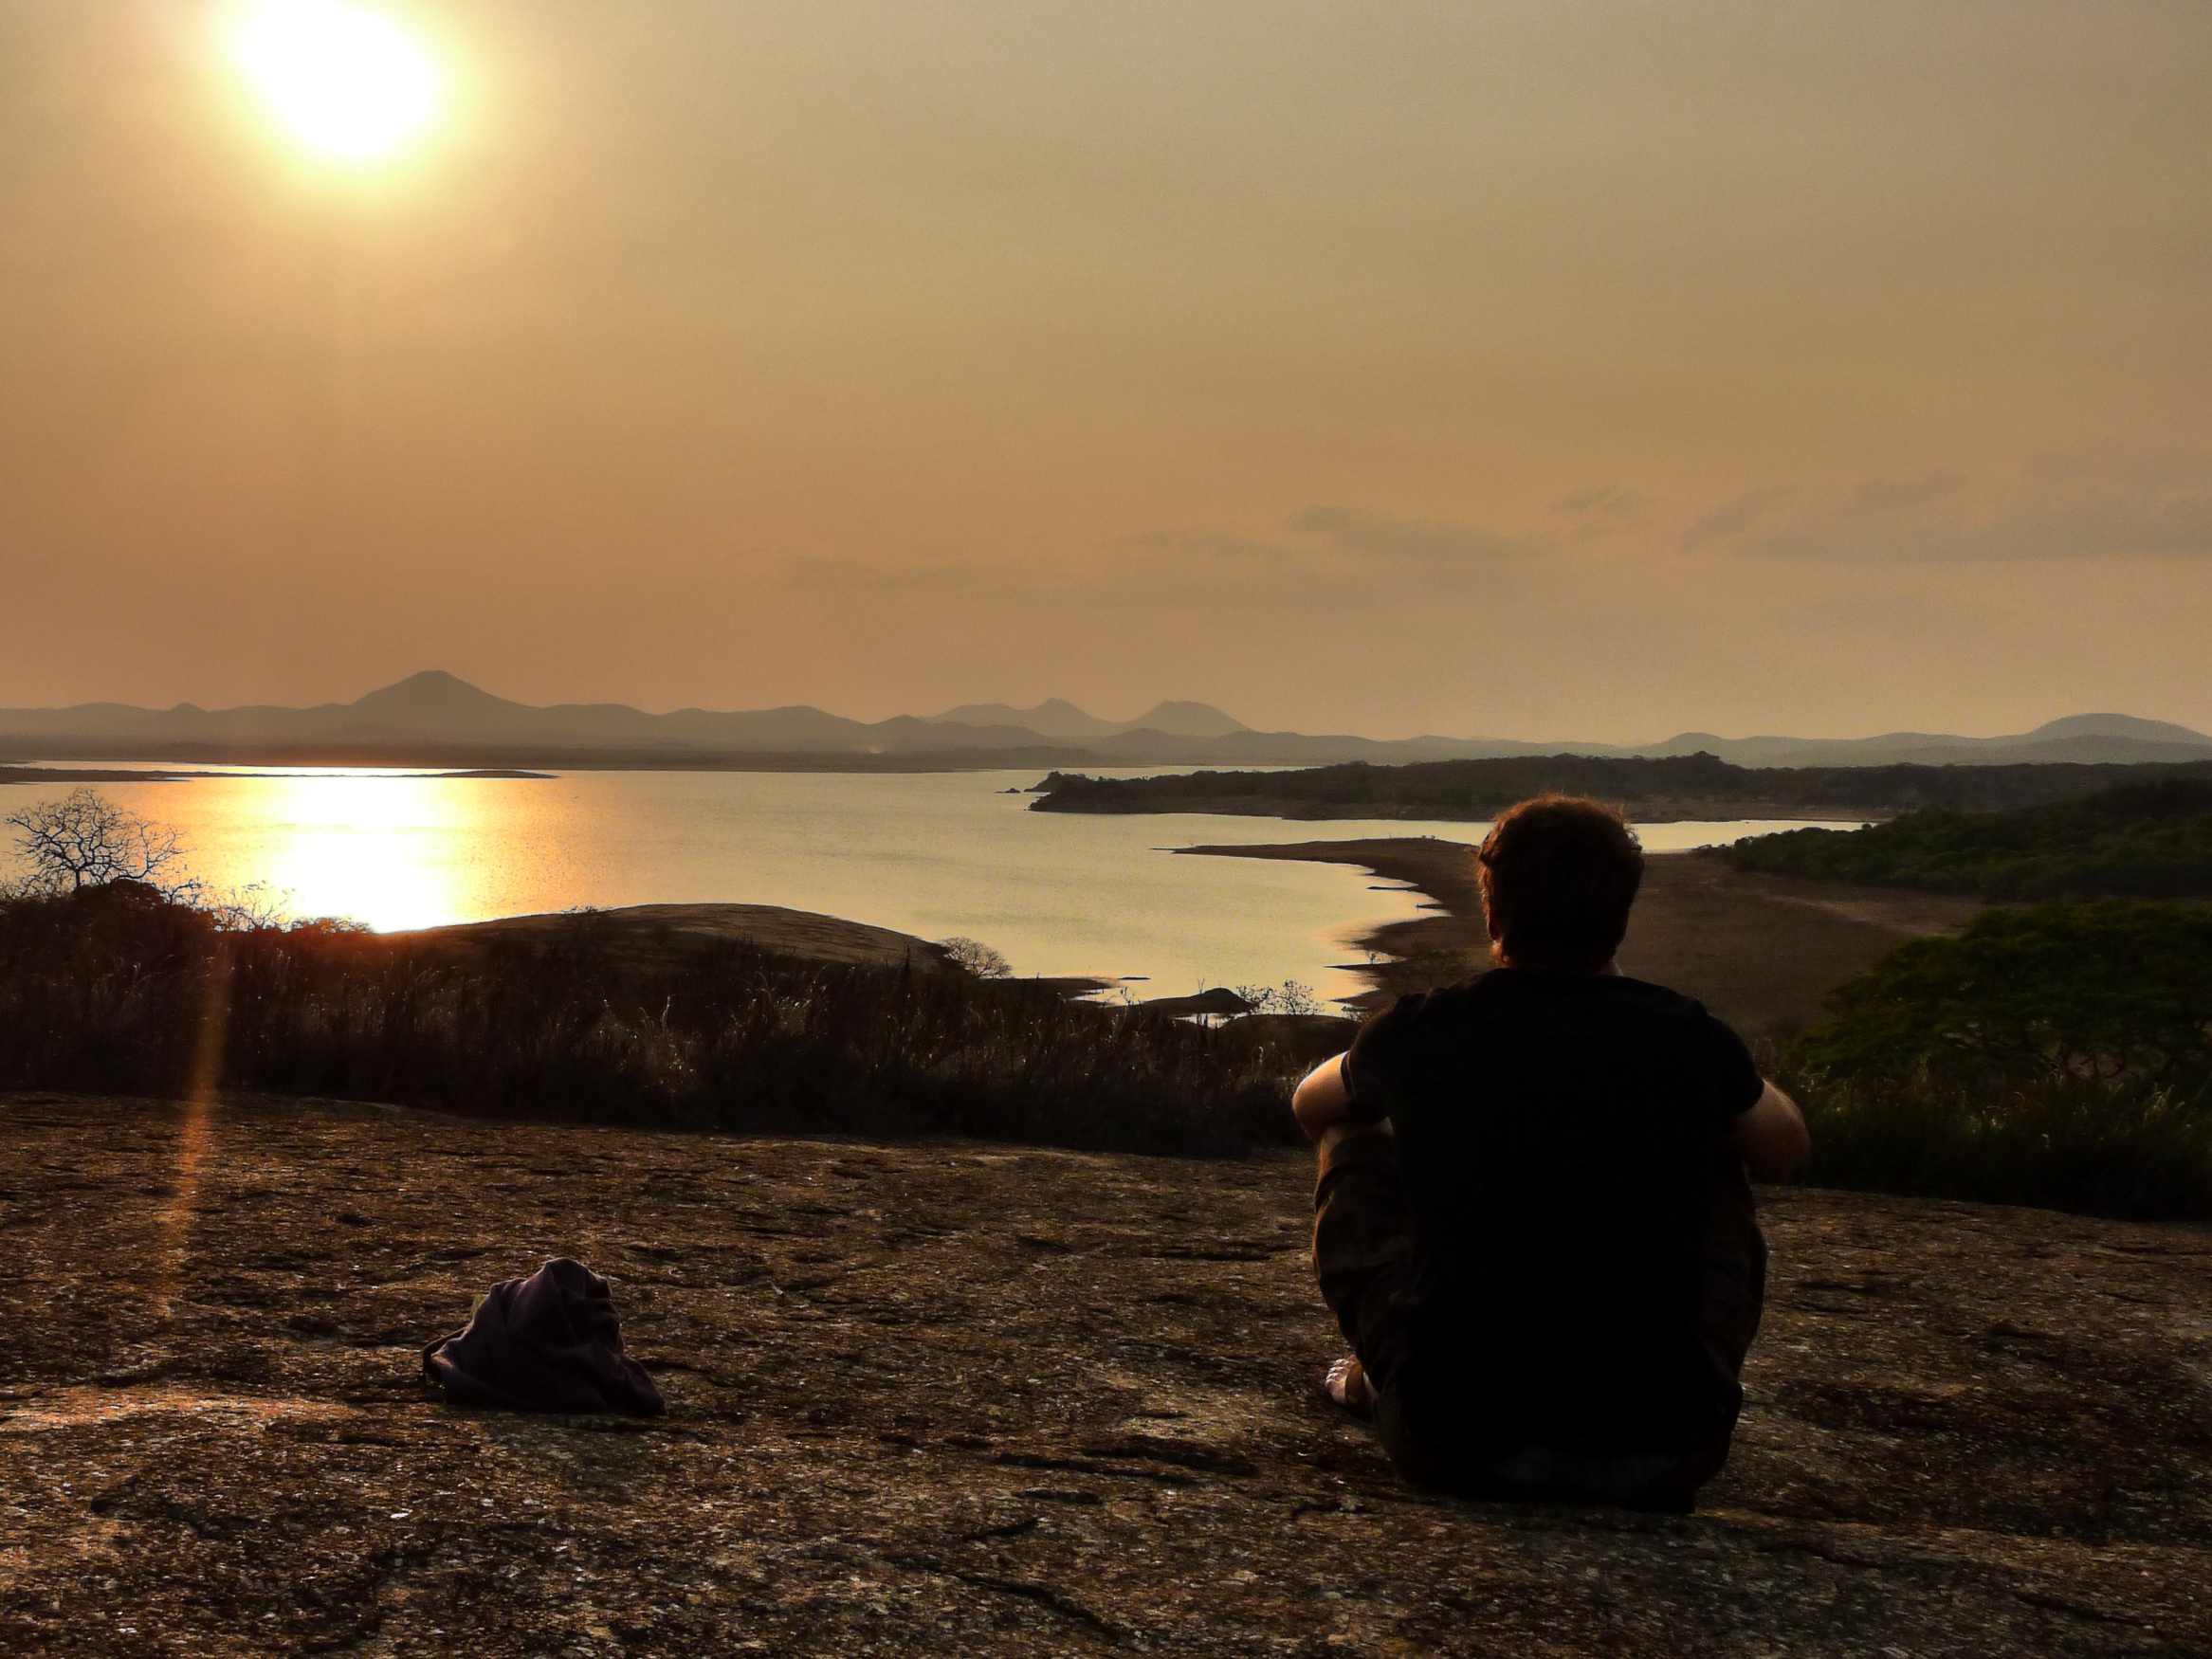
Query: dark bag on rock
[546,1343]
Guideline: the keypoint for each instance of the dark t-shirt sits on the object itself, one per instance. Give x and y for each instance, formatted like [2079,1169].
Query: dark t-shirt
[1581,1221]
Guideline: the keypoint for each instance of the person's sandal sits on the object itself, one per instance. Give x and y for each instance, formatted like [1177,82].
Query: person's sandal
[1348,1389]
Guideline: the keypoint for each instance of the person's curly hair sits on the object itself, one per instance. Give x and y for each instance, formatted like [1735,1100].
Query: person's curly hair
[1558,876]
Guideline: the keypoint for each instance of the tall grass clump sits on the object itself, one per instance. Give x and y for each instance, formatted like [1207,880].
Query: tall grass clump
[2132,1152]
[119,988]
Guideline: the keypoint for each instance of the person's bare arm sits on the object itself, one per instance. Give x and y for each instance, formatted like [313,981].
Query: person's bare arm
[1321,1100]
[1772,1137]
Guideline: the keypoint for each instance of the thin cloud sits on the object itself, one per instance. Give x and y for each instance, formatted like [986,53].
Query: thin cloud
[1732,518]
[1601,501]
[2154,470]
[847,575]
[1214,545]
[2108,524]
[1887,495]
[1355,530]
[2102,525]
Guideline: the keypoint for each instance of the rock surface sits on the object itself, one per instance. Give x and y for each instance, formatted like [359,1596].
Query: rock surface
[973,1398]
[665,935]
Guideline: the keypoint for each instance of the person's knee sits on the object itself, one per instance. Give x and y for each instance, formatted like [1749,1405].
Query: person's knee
[1361,1236]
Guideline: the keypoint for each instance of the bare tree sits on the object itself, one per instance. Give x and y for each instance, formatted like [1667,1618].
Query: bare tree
[256,907]
[85,840]
[977,957]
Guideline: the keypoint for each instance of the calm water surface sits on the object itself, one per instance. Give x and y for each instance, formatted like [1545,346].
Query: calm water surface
[933,854]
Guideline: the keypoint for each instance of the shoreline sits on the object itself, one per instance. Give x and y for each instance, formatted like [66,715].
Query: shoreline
[465,760]
[1764,952]
[86,774]
[1295,811]
[1413,952]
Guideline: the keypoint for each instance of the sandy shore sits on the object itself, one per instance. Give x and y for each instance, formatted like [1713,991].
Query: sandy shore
[1764,952]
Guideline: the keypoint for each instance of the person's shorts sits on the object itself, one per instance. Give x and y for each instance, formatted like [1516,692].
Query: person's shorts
[1362,1253]
[1364,1259]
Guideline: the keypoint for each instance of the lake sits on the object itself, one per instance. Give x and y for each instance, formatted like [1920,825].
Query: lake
[935,854]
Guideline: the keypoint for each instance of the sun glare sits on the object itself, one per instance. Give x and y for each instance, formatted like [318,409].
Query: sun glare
[347,81]
[370,848]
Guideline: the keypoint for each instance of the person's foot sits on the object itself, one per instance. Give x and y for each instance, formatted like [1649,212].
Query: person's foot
[1348,1387]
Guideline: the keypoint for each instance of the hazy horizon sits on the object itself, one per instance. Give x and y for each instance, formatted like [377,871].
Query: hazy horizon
[1596,374]
[1119,714]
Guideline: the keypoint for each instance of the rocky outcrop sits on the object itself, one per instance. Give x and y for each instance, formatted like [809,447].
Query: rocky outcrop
[961,1399]
[665,935]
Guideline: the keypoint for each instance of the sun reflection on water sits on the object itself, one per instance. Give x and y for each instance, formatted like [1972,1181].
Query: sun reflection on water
[374,847]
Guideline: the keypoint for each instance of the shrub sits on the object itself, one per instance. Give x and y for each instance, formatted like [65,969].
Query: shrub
[2059,1055]
[984,962]
[2104,991]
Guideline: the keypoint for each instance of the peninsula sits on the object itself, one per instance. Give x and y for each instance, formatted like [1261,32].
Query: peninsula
[1687,787]
[1763,950]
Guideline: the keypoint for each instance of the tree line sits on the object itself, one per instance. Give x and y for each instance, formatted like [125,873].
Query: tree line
[2151,840]
[1682,785]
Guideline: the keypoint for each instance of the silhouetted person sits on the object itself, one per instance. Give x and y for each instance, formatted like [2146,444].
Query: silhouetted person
[1533,1219]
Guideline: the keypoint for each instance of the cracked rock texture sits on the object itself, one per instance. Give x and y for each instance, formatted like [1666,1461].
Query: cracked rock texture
[985,1398]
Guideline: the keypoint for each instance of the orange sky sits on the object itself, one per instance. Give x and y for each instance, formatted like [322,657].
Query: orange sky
[1519,369]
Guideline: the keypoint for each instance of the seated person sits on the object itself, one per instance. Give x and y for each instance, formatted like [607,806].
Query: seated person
[1533,1219]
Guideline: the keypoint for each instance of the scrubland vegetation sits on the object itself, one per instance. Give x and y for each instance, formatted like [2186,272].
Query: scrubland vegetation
[2055,1054]
[2139,840]
[117,987]
[1683,786]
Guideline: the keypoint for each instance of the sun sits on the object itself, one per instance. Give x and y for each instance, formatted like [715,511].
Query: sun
[347,81]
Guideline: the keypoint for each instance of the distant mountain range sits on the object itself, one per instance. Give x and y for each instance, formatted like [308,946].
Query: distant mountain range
[435,718]
[1060,720]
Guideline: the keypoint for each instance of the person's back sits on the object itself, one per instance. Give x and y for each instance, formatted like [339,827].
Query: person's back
[1549,1270]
